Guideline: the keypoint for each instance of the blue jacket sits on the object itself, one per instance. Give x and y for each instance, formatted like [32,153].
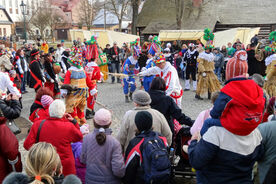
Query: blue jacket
[223,157]
[130,65]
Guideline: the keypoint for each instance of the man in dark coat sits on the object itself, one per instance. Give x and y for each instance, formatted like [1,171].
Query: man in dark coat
[115,61]
[254,66]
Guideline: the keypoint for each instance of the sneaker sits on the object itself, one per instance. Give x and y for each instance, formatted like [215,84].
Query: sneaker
[126,99]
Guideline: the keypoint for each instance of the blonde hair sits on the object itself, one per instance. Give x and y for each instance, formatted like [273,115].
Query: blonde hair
[42,160]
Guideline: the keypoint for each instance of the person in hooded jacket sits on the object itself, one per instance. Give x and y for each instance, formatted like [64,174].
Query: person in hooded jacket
[10,159]
[231,144]
[165,104]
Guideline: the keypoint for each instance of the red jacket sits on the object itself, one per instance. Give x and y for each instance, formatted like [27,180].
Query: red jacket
[8,151]
[60,133]
[39,114]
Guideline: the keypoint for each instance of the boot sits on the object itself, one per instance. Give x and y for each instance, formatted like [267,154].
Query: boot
[88,114]
[118,80]
[194,85]
[187,85]
[93,112]
[209,95]
[198,97]
[130,96]
[126,99]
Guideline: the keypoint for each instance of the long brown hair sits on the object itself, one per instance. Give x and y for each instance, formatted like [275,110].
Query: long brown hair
[101,137]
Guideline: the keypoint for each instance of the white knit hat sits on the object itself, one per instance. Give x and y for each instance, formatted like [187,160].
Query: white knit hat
[57,109]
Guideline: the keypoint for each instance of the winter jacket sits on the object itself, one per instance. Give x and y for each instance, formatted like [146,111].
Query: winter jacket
[167,106]
[128,127]
[190,57]
[219,60]
[22,66]
[268,131]
[36,105]
[60,133]
[39,114]
[104,164]
[6,84]
[236,97]
[36,78]
[20,178]
[80,167]
[8,142]
[116,54]
[133,158]
[227,153]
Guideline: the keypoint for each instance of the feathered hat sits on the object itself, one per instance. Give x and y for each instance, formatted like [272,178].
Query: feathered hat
[208,37]
[155,46]
[135,48]
[76,57]
[159,58]
[272,38]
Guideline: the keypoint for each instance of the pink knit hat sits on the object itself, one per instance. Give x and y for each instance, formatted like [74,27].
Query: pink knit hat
[102,117]
[46,100]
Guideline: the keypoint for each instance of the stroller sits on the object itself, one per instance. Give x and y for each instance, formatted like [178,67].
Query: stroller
[181,166]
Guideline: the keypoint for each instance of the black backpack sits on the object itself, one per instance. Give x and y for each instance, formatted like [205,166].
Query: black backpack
[156,163]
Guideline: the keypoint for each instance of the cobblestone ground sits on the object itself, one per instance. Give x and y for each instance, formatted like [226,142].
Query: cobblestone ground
[111,96]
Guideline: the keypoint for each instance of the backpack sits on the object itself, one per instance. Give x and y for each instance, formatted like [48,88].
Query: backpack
[156,163]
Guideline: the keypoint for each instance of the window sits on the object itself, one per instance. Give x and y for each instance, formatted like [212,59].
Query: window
[37,32]
[0,31]
[47,32]
[5,31]
[10,5]
[10,10]
[4,3]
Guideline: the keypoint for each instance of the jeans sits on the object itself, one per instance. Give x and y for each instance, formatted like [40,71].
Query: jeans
[218,72]
[115,67]
[23,82]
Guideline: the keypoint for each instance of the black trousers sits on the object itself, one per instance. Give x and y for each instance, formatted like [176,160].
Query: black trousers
[191,70]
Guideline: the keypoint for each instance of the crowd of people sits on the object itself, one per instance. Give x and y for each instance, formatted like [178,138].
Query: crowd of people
[222,145]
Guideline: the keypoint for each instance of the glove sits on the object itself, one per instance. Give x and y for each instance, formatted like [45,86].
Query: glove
[143,69]
[203,74]
[93,92]
[63,93]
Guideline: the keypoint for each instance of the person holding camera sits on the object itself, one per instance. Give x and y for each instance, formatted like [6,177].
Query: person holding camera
[10,159]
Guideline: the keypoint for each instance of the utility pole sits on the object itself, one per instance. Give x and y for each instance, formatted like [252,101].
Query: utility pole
[104,15]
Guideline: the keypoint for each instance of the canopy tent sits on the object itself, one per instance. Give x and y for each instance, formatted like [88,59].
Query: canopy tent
[103,36]
[231,35]
[171,35]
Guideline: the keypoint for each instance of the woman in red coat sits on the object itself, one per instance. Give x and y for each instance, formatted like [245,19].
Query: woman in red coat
[60,130]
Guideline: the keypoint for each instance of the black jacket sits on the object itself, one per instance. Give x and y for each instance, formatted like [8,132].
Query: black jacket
[10,109]
[112,53]
[35,105]
[108,54]
[167,106]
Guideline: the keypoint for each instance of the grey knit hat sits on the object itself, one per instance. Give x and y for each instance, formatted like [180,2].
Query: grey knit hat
[141,98]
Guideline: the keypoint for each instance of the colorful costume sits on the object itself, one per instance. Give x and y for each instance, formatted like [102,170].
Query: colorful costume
[270,62]
[169,74]
[207,80]
[94,74]
[130,68]
[147,79]
[75,87]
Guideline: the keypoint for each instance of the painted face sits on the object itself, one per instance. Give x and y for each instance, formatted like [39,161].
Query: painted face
[103,58]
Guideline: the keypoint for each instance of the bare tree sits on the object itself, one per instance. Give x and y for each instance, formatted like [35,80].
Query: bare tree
[135,8]
[118,8]
[88,11]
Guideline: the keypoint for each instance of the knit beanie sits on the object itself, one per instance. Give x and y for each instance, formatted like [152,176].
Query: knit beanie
[143,121]
[141,98]
[46,100]
[102,117]
[237,66]
[57,109]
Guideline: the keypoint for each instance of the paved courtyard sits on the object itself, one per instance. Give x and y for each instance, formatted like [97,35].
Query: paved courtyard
[111,96]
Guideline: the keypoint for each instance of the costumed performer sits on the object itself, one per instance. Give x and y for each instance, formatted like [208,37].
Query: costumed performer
[75,87]
[190,58]
[36,70]
[94,74]
[270,62]
[207,80]
[168,72]
[130,68]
